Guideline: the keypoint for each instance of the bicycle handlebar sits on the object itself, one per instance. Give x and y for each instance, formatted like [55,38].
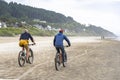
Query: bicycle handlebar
[31,44]
[66,46]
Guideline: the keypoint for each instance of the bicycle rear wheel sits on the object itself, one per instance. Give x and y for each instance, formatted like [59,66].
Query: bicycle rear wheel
[31,56]
[21,58]
[57,62]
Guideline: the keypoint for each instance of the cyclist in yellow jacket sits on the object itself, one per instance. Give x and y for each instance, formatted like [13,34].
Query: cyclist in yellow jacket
[24,41]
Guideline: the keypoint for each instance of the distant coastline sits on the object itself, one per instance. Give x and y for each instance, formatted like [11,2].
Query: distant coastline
[117,38]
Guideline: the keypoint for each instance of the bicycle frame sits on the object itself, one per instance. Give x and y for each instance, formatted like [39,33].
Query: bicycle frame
[59,59]
[24,50]
[22,56]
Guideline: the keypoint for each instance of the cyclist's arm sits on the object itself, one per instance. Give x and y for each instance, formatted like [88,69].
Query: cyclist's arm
[20,37]
[54,40]
[67,40]
[31,38]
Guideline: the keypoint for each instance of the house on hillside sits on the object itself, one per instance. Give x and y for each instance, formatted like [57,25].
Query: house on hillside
[3,25]
[0,24]
[38,26]
[38,20]
[48,28]
[43,28]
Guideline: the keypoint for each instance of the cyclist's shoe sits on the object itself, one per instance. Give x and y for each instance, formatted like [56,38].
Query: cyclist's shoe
[27,61]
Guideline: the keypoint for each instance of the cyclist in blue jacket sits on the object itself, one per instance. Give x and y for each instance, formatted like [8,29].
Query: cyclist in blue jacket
[58,43]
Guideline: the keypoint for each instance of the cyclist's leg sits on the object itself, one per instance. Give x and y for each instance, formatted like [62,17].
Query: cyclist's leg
[27,52]
[58,49]
[21,44]
[27,49]
[22,48]
[63,53]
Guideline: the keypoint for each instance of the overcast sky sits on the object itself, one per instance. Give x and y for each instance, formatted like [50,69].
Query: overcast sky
[104,13]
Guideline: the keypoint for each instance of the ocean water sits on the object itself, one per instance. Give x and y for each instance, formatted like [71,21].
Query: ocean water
[117,38]
[113,38]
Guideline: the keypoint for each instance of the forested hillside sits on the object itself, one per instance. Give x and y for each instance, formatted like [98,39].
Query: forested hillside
[12,12]
[24,12]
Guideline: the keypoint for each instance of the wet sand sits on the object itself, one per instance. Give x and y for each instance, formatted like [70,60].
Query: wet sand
[87,60]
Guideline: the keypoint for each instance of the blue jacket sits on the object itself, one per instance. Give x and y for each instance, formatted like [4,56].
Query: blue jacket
[58,40]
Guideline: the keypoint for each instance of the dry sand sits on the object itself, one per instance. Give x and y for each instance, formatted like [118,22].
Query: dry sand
[88,59]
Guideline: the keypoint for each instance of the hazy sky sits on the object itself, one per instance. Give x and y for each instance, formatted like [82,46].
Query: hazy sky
[104,13]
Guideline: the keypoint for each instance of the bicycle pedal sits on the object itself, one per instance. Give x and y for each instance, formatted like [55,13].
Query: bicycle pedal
[23,59]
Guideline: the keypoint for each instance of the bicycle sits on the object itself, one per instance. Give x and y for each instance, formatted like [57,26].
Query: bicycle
[59,60]
[22,56]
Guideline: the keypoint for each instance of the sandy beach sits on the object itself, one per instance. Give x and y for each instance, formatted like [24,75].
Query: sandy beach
[89,58]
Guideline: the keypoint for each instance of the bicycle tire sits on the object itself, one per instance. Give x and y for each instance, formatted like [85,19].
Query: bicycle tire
[65,57]
[57,62]
[21,59]
[65,60]
[31,57]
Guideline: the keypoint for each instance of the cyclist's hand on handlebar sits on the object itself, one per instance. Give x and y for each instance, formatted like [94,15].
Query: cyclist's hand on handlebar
[67,46]
[34,43]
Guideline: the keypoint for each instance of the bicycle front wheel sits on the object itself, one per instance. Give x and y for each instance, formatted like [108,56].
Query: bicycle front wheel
[31,56]
[21,58]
